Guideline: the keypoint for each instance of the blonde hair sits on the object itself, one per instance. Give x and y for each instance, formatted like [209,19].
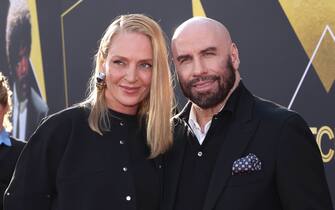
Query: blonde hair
[157,107]
[6,101]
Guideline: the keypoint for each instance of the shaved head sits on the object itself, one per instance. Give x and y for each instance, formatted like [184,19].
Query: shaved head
[195,24]
[206,61]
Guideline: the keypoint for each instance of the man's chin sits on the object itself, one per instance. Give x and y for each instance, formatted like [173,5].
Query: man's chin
[203,102]
[208,99]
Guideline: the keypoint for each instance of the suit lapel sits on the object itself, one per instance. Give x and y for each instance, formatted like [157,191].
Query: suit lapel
[239,135]
[174,162]
[174,158]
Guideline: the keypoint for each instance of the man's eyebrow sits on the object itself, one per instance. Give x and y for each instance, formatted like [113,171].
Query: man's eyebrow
[209,49]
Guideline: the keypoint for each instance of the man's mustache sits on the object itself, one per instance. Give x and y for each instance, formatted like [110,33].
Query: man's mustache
[209,78]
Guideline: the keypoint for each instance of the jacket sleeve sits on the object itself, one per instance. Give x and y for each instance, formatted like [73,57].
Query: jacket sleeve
[33,184]
[300,175]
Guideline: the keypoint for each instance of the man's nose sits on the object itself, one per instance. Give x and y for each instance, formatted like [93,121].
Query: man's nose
[199,68]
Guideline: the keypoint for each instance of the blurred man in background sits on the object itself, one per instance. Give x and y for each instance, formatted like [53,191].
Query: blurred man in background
[28,106]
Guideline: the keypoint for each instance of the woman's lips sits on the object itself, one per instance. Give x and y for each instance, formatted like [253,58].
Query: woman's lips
[129,89]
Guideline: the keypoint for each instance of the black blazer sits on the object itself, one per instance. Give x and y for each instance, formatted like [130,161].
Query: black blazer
[67,166]
[8,158]
[292,175]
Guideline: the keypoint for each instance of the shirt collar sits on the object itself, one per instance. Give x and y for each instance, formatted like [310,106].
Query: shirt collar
[193,123]
[192,120]
[4,138]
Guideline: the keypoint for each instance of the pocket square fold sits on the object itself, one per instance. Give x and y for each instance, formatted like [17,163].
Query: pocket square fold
[247,164]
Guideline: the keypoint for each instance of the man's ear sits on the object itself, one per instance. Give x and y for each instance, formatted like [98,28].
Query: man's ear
[234,56]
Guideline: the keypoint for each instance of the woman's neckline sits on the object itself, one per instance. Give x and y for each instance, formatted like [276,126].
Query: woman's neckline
[122,116]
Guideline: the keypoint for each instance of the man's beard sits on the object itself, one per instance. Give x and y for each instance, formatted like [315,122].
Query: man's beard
[209,99]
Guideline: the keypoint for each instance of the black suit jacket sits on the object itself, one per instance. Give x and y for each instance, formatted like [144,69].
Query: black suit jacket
[8,158]
[292,175]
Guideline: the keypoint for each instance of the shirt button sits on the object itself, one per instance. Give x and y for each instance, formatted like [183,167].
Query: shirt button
[8,193]
[122,123]
[160,166]
[200,154]
[121,142]
[128,198]
[125,169]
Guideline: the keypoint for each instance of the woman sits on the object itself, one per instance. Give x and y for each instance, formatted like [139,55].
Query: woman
[104,153]
[10,148]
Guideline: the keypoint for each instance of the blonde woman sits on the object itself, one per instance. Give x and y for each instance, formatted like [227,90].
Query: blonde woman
[105,152]
[10,148]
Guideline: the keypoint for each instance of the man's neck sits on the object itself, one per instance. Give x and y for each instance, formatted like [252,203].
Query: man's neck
[203,116]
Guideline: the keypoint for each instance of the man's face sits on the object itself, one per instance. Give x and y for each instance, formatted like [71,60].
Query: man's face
[204,66]
[21,74]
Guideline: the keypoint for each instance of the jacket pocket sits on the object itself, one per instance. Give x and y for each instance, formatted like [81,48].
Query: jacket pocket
[245,179]
[33,201]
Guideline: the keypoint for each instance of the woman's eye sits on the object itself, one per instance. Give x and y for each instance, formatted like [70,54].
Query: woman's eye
[118,62]
[146,66]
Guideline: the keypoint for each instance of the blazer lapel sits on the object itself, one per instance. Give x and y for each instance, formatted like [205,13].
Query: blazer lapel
[174,161]
[234,145]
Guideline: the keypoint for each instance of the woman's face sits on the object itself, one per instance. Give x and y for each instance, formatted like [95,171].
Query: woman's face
[128,69]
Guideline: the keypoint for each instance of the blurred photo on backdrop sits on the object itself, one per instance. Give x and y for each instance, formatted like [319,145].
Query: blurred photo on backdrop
[28,105]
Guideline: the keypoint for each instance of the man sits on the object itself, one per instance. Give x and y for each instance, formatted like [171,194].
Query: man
[28,106]
[233,150]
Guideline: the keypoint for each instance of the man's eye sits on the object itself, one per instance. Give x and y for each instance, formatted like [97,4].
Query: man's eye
[209,53]
[183,60]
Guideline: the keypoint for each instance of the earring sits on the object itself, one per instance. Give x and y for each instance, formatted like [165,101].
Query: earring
[100,83]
